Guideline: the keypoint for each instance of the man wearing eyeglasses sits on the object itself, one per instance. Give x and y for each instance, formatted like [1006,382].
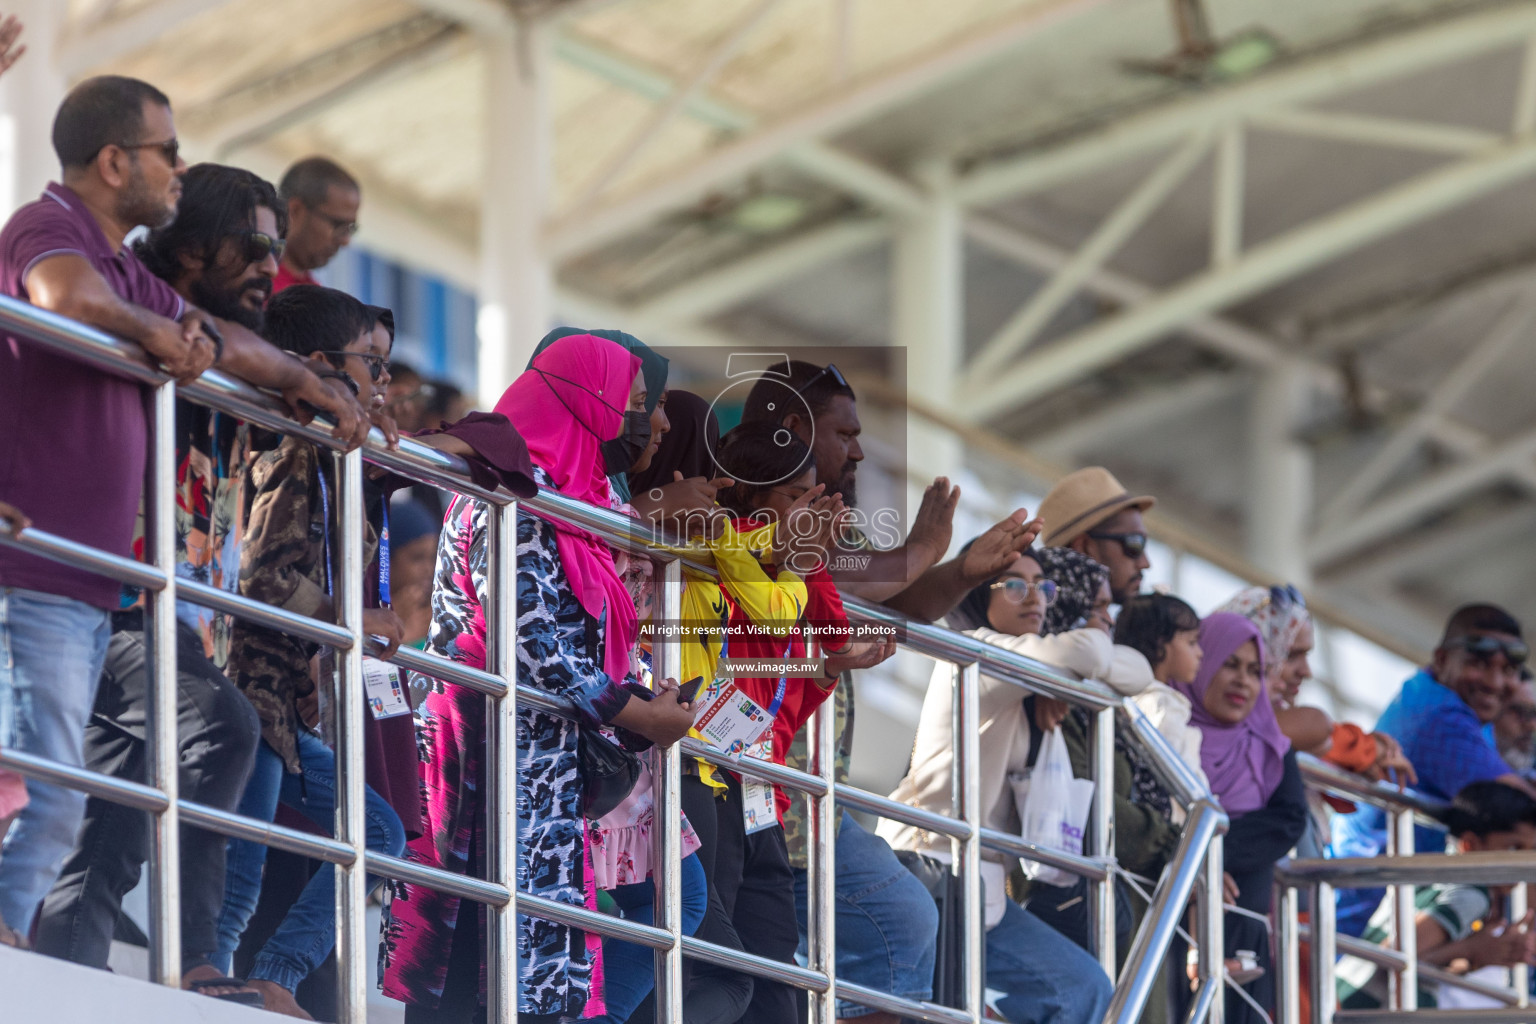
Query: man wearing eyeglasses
[1439,717]
[321,201]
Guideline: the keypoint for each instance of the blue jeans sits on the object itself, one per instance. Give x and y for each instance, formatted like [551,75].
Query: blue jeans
[1038,975]
[51,653]
[886,920]
[629,971]
[308,933]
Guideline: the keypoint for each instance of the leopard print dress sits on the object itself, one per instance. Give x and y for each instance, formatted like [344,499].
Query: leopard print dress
[558,651]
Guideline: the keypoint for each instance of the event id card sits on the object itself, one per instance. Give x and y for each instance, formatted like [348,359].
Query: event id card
[757,809]
[731,721]
[386,692]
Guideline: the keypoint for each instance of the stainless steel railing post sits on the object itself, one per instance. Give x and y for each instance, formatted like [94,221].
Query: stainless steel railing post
[968,804]
[1324,953]
[352,950]
[1288,953]
[160,637]
[1212,925]
[501,764]
[666,655]
[1520,974]
[1404,992]
[1102,894]
[821,933]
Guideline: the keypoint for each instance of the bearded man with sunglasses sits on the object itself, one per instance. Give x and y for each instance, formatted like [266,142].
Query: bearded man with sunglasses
[1439,718]
[1090,512]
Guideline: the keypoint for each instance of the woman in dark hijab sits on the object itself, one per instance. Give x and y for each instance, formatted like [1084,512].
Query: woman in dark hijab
[688,448]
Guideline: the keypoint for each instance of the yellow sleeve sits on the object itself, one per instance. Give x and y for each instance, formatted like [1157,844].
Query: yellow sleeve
[773,603]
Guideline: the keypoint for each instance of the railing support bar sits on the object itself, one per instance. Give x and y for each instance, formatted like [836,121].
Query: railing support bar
[667,833]
[1288,954]
[1324,953]
[968,772]
[160,636]
[352,948]
[1102,894]
[821,933]
[501,757]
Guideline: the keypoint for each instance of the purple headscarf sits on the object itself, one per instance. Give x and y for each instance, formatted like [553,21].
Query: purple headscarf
[1244,762]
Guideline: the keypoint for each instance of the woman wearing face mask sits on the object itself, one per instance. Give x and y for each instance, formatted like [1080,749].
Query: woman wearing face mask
[1041,974]
[1252,772]
[576,632]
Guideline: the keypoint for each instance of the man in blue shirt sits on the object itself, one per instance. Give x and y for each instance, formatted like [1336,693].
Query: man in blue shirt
[1438,717]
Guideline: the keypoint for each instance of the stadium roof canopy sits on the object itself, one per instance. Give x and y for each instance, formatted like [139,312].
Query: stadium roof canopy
[1271,261]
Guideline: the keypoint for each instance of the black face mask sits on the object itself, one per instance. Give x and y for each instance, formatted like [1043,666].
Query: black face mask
[625,450]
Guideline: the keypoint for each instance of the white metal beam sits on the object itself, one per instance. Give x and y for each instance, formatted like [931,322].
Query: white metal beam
[227,127]
[485,16]
[646,133]
[1022,328]
[1438,42]
[1228,196]
[1405,507]
[712,292]
[1280,475]
[1124,417]
[1285,256]
[516,278]
[583,229]
[823,161]
[928,314]
[1452,388]
[86,48]
[1373,131]
[1524,121]
[1451,545]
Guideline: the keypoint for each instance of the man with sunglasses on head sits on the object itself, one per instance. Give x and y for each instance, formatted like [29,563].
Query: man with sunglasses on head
[1091,513]
[220,253]
[886,919]
[1439,718]
[321,201]
[78,436]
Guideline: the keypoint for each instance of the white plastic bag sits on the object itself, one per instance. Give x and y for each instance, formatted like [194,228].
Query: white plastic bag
[1053,808]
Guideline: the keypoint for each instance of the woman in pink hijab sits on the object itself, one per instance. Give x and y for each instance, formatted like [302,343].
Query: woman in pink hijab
[1252,771]
[579,408]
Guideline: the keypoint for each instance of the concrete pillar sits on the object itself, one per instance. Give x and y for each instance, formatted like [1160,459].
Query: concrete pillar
[1280,485]
[29,97]
[929,316]
[516,280]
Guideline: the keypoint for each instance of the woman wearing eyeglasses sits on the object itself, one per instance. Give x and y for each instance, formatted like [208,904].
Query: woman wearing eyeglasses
[1041,974]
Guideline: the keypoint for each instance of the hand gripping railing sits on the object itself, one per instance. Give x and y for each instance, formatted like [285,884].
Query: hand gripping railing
[1196,868]
[1400,870]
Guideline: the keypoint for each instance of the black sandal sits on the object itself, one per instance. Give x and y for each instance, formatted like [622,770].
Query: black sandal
[251,998]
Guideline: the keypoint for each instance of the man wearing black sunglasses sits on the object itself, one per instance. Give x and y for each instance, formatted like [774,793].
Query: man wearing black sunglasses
[220,254]
[1090,512]
[1438,717]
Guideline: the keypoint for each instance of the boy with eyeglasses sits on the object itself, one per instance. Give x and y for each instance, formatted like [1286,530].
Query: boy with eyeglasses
[1438,717]
[288,560]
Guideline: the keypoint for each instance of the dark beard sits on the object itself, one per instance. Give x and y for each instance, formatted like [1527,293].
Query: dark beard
[848,487]
[225,304]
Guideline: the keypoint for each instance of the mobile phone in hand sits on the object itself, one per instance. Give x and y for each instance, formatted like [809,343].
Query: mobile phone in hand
[689,690]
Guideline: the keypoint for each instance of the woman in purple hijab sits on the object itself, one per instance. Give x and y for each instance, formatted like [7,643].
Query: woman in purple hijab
[1253,773]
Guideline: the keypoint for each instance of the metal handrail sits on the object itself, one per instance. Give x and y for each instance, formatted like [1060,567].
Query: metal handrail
[1327,778]
[430,466]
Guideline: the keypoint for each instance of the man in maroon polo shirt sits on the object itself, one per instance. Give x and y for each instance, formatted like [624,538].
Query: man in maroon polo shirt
[75,438]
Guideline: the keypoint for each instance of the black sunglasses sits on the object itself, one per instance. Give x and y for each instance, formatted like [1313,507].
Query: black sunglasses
[1484,647]
[1133,544]
[376,363]
[259,245]
[827,371]
[170,148]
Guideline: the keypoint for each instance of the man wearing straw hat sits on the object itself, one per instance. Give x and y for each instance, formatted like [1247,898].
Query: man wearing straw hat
[1090,512]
